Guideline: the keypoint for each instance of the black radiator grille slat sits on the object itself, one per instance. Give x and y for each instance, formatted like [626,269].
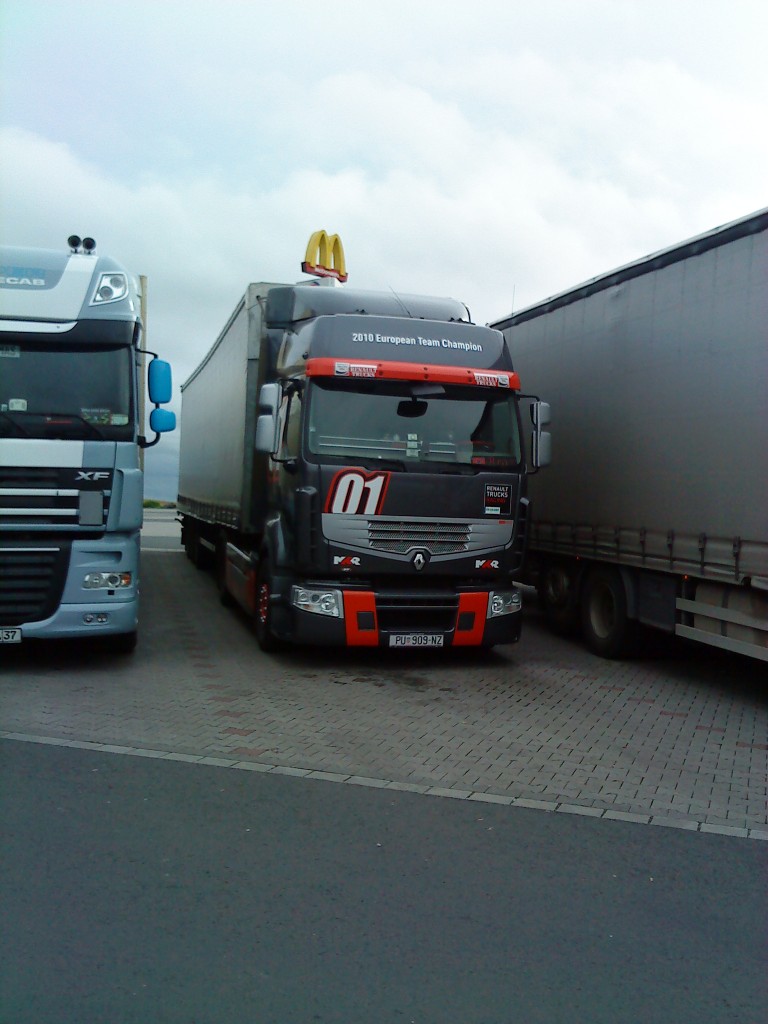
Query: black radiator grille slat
[31,582]
[58,505]
[399,536]
[23,476]
[424,613]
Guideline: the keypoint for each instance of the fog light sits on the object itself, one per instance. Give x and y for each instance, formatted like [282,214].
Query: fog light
[320,602]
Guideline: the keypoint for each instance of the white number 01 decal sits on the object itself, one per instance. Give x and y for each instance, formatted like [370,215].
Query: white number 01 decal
[355,492]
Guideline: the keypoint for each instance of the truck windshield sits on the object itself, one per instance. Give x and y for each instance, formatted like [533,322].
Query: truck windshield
[51,391]
[413,424]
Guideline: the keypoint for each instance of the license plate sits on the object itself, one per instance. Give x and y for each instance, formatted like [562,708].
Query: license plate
[416,640]
[10,635]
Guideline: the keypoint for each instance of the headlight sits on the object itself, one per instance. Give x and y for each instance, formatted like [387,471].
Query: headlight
[504,602]
[107,580]
[321,602]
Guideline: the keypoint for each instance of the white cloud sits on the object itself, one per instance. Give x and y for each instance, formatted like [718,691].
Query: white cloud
[498,153]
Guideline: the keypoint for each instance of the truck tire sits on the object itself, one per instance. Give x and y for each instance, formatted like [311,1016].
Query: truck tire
[558,596]
[607,629]
[262,612]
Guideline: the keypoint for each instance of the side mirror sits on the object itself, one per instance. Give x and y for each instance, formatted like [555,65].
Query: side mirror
[541,440]
[266,439]
[266,434]
[541,454]
[162,421]
[270,398]
[541,414]
[159,382]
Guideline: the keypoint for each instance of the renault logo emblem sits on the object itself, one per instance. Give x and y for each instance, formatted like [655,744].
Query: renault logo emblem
[419,560]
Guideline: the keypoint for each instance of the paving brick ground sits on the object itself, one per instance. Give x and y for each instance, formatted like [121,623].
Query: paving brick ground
[679,737]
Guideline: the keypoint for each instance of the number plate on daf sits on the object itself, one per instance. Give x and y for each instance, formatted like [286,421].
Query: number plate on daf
[10,635]
[416,640]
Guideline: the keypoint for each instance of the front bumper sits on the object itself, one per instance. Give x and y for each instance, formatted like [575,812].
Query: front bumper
[43,587]
[71,621]
[408,620]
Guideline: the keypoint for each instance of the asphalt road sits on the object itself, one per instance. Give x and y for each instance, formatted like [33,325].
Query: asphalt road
[199,832]
[140,891]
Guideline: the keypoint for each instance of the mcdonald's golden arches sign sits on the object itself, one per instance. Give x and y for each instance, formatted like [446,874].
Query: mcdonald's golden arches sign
[325,257]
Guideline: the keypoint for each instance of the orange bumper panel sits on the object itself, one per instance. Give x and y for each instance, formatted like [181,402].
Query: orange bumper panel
[360,619]
[470,620]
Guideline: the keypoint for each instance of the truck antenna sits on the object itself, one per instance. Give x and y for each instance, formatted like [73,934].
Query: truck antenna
[407,311]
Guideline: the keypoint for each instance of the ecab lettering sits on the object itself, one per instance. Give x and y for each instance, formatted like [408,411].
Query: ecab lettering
[24,282]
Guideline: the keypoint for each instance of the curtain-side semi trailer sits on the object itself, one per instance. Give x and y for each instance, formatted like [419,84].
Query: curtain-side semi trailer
[71,486]
[351,463]
[655,508]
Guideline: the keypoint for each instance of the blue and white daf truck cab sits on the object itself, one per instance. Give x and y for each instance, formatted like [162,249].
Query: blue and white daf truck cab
[71,483]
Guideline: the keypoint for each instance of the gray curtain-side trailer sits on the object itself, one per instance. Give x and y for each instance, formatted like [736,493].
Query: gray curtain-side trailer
[655,507]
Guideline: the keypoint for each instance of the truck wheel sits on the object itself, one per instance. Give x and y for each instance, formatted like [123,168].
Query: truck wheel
[608,631]
[557,597]
[262,613]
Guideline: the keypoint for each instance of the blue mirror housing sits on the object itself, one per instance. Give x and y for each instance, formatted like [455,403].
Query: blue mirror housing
[162,420]
[159,383]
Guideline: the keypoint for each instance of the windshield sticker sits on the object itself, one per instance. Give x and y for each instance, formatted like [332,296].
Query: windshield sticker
[17,405]
[498,499]
[102,416]
[10,352]
[357,493]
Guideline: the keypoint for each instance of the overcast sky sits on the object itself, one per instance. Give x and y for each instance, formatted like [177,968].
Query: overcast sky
[496,152]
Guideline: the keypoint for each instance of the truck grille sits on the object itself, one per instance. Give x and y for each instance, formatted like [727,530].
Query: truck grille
[31,582]
[51,498]
[430,611]
[399,536]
